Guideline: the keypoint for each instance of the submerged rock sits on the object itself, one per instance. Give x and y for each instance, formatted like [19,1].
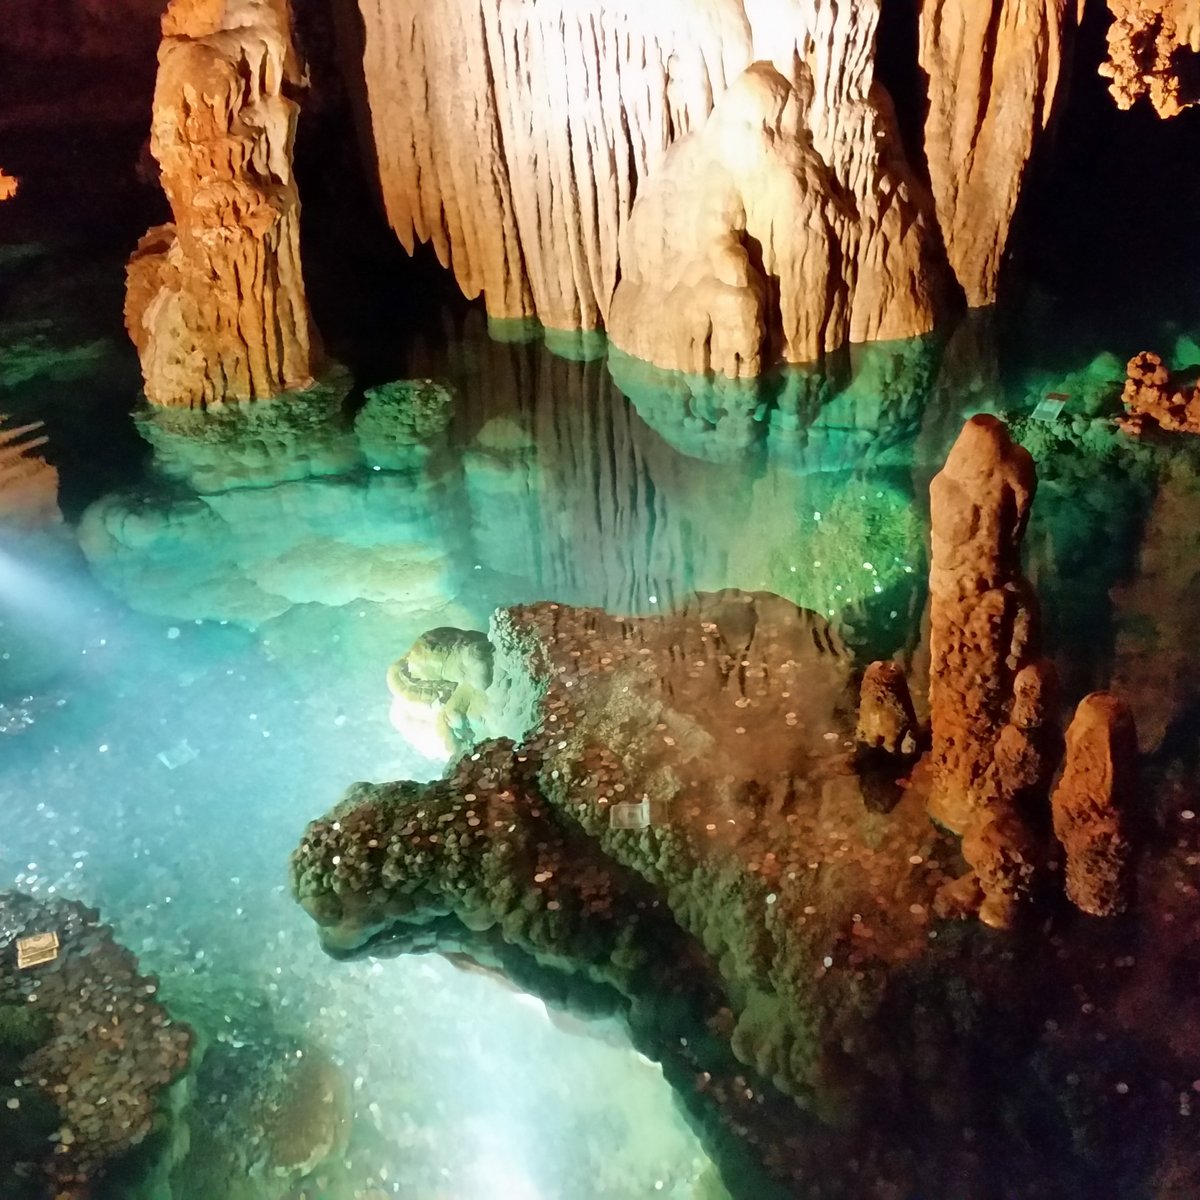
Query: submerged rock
[886,720]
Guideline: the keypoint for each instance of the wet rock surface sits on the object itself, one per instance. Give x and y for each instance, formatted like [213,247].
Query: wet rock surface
[676,835]
[86,1048]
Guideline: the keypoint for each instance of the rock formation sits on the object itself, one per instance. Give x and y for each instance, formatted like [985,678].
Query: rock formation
[993,74]
[28,484]
[989,692]
[522,165]
[1154,51]
[1092,805]
[215,301]
[1151,398]
[8,185]
[743,248]
[85,1083]
[886,720]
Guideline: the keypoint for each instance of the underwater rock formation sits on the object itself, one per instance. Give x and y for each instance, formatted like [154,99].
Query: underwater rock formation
[215,301]
[522,166]
[1092,805]
[993,73]
[740,250]
[28,484]
[1154,51]
[1150,396]
[86,1052]
[990,695]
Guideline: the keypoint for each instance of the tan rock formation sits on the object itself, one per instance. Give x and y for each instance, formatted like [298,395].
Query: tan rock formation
[8,185]
[993,73]
[28,484]
[886,719]
[989,692]
[515,138]
[743,248]
[1091,804]
[1150,397]
[215,301]
[1153,49]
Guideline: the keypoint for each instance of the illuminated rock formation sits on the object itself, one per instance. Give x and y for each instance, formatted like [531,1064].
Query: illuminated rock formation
[1150,397]
[28,484]
[993,74]
[1092,805]
[741,250]
[547,121]
[989,692]
[1154,51]
[8,185]
[215,301]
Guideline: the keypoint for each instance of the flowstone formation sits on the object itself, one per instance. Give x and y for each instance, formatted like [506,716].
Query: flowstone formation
[215,300]
[87,1054]
[990,694]
[1154,51]
[573,110]
[743,248]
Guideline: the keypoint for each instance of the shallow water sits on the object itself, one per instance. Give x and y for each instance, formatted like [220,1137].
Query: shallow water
[178,707]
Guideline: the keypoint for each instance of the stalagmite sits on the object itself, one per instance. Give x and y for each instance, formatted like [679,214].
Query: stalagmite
[886,720]
[1153,49]
[993,72]
[215,301]
[989,692]
[1092,801]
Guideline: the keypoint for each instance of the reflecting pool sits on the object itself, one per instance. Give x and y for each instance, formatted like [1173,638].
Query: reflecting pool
[194,666]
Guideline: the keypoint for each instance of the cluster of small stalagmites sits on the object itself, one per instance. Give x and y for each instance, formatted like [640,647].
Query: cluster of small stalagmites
[993,705]
[112,1049]
[1151,398]
[990,692]
[1152,51]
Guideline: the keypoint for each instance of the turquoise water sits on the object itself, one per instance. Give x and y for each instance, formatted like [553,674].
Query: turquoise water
[207,675]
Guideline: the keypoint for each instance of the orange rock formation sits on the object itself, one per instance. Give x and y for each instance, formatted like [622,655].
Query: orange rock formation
[1153,49]
[215,300]
[989,692]
[886,720]
[1150,396]
[8,185]
[1091,804]
[28,484]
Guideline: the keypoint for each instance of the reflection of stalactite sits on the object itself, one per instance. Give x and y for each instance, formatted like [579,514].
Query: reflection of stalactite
[28,484]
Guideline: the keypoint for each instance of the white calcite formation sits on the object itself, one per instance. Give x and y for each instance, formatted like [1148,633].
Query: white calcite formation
[516,139]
